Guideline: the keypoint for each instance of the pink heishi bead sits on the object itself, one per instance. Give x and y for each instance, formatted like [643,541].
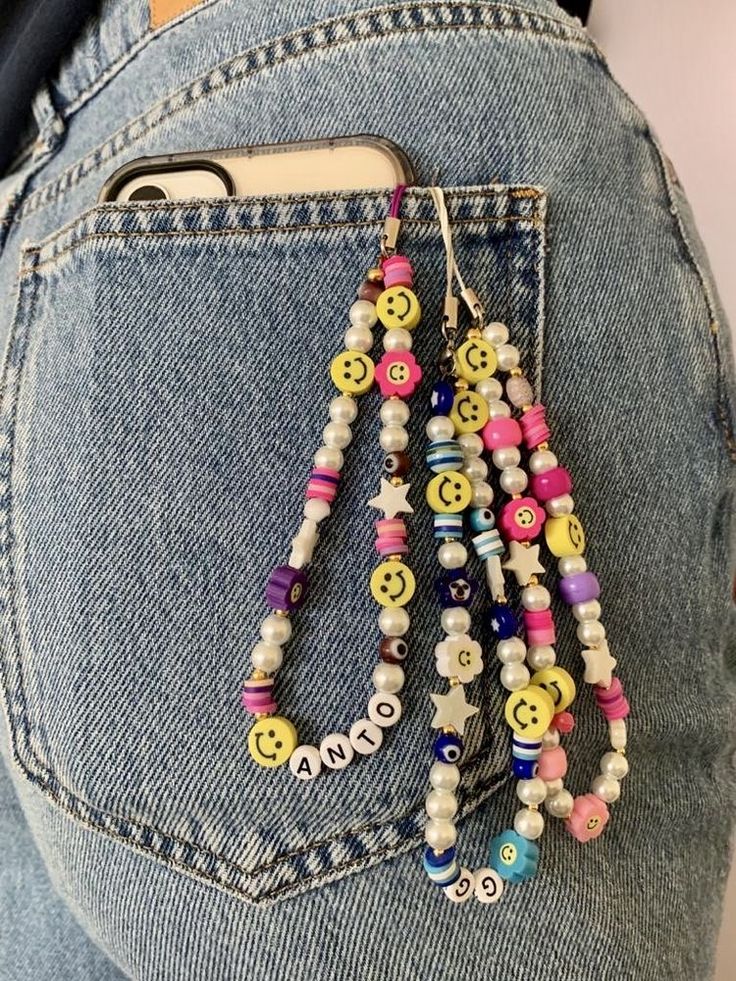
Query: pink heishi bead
[500,433]
[257,696]
[397,271]
[540,627]
[391,546]
[552,483]
[611,701]
[535,427]
[552,763]
[323,484]
[390,528]
[588,819]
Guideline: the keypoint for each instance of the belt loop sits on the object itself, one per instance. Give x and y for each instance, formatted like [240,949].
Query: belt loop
[51,128]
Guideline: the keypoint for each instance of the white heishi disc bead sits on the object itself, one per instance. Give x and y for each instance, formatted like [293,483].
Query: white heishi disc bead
[359,338]
[336,751]
[276,630]
[363,313]
[541,656]
[343,409]
[471,444]
[560,805]
[489,886]
[542,460]
[555,786]
[511,651]
[365,737]
[617,733]
[498,409]
[591,632]
[440,834]
[394,412]
[508,357]
[444,776]
[528,824]
[556,507]
[462,888]
[455,620]
[475,468]
[393,439]
[589,610]
[607,789]
[570,565]
[452,555]
[305,762]
[266,657]
[535,598]
[337,434]
[550,739]
[490,389]
[496,333]
[514,677]
[397,339]
[316,510]
[481,494]
[614,765]
[441,805]
[531,791]
[393,621]
[388,678]
[384,709]
[329,456]
[440,427]
[507,456]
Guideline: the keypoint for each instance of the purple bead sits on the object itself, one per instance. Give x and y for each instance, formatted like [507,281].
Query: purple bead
[580,588]
[287,588]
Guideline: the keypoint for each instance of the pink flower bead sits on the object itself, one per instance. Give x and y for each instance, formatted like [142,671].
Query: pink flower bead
[552,763]
[588,819]
[500,433]
[521,520]
[398,373]
[551,483]
[611,701]
[535,427]
[540,627]
[397,271]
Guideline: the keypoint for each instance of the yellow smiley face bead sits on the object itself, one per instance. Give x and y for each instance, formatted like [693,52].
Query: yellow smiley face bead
[392,584]
[529,711]
[272,740]
[398,307]
[564,535]
[558,684]
[469,412]
[352,372]
[449,492]
[475,360]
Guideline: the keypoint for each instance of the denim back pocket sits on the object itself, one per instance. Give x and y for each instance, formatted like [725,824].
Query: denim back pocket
[165,389]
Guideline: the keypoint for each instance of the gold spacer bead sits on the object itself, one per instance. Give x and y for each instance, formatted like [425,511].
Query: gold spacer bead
[474,332]
[533,581]
[543,446]
[454,682]
[449,730]
[516,372]
[526,408]
[461,385]
[374,275]
[258,675]
[392,558]
[396,481]
[262,715]
[516,497]
[282,613]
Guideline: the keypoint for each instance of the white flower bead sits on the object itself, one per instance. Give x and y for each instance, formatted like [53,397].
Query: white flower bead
[388,678]
[535,598]
[316,510]
[343,409]
[440,834]
[588,610]
[528,824]
[359,338]
[481,494]
[606,788]
[444,776]
[496,333]
[329,456]
[393,621]
[397,339]
[614,765]
[440,427]
[591,632]
[363,313]
[393,439]
[507,456]
[490,389]
[560,805]
[542,460]
[471,444]
[455,620]
[276,629]
[394,412]
[508,357]
[511,651]
[570,565]
[555,786]
[531,791]
[441,805]
[550,739]
[267,657]
[558,506]
[499,409]
[541,656]
[514,677]
[337,434]
[475,468]
[452,555]
[617,733]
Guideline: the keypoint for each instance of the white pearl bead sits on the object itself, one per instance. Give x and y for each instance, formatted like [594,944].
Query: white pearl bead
[444,776]
[393,438]
[570,565]
[394,412]
[267,657]
[481,494]
[359,338]
[475,468]
[514,676]
[528,824]
[511,651]
[363,313]
[555,786]
[513,480]
[329,456]
[591,632]
[614,765]
[542,460]
[397,339]
[276,629]
[452,555]
[535,598]
[316,510]
[337,434]
[440,427]
[541,656]
[531,791]
[508,357]
[343,409]
[558,506]
[550,739]
[606,788]
[589,610]
[441,805]
[507,456]
[393,621]
[496,333]
[617,733]
[499,409]
[388,678]
[489,389]
[455,620]
[560,805]
[471,444]
[440,834]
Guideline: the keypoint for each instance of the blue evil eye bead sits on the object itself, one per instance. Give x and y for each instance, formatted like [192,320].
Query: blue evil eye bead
[442,398]
[524,769]
[456,588]
[525,754]
[481,519]
[448,747]
[442,869]
[513,857]
[502,621]
[448,526]
[488,543]
[444,454]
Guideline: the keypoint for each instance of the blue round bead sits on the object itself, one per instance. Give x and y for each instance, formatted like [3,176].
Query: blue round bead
[513,857]
[524,769]
[448,748]
[442,399]
[481,519]
[502,620]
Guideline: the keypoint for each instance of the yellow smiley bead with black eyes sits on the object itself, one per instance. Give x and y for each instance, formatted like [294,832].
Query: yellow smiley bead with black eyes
[392,584]
[398,307]
[564,535]
[529,711]
[352,372]
[558,684]
[272,740]
[449,492]
[469,412]
[475,360]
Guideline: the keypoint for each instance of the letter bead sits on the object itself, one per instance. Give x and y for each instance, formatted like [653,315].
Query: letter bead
[365,737]
[463,888]
[489,886]
[335,751]
[384,709]
[305,762]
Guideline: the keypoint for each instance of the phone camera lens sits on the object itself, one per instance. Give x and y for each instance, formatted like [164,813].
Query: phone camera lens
[148,192]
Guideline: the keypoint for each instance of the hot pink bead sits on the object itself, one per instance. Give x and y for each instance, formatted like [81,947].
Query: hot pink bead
[257,696]
[500,433]
[611,701]
[397,271]
[390,528]
[323,484]
[552,763]
[551,483]
[398,373]
[391,546]
[535,427]
[540,627]
[521,520]
[588,819]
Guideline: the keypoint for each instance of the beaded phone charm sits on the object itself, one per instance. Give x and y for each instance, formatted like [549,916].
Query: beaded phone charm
[470,416]
[385,295]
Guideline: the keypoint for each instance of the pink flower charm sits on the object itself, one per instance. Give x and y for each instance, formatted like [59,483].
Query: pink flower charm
[588,819]
[459,657]
[521,520]
[398,373]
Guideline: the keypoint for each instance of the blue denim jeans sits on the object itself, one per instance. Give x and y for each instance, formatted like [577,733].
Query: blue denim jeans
[164,388]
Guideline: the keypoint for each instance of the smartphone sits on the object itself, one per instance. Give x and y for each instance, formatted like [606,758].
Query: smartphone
[346,163]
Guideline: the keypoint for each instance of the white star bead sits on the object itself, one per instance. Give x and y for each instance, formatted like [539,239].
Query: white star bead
[599,664]
[523,562]
[452,709]
[392,499]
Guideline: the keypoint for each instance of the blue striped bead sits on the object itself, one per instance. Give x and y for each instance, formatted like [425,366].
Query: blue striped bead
[448,526]
[488,543]
[444,454]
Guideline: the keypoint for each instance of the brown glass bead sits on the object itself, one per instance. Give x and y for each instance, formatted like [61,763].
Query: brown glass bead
[393,650]
[397,464]
[370,291]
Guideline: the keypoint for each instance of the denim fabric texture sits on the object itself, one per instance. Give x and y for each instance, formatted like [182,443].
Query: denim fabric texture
[164,388]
